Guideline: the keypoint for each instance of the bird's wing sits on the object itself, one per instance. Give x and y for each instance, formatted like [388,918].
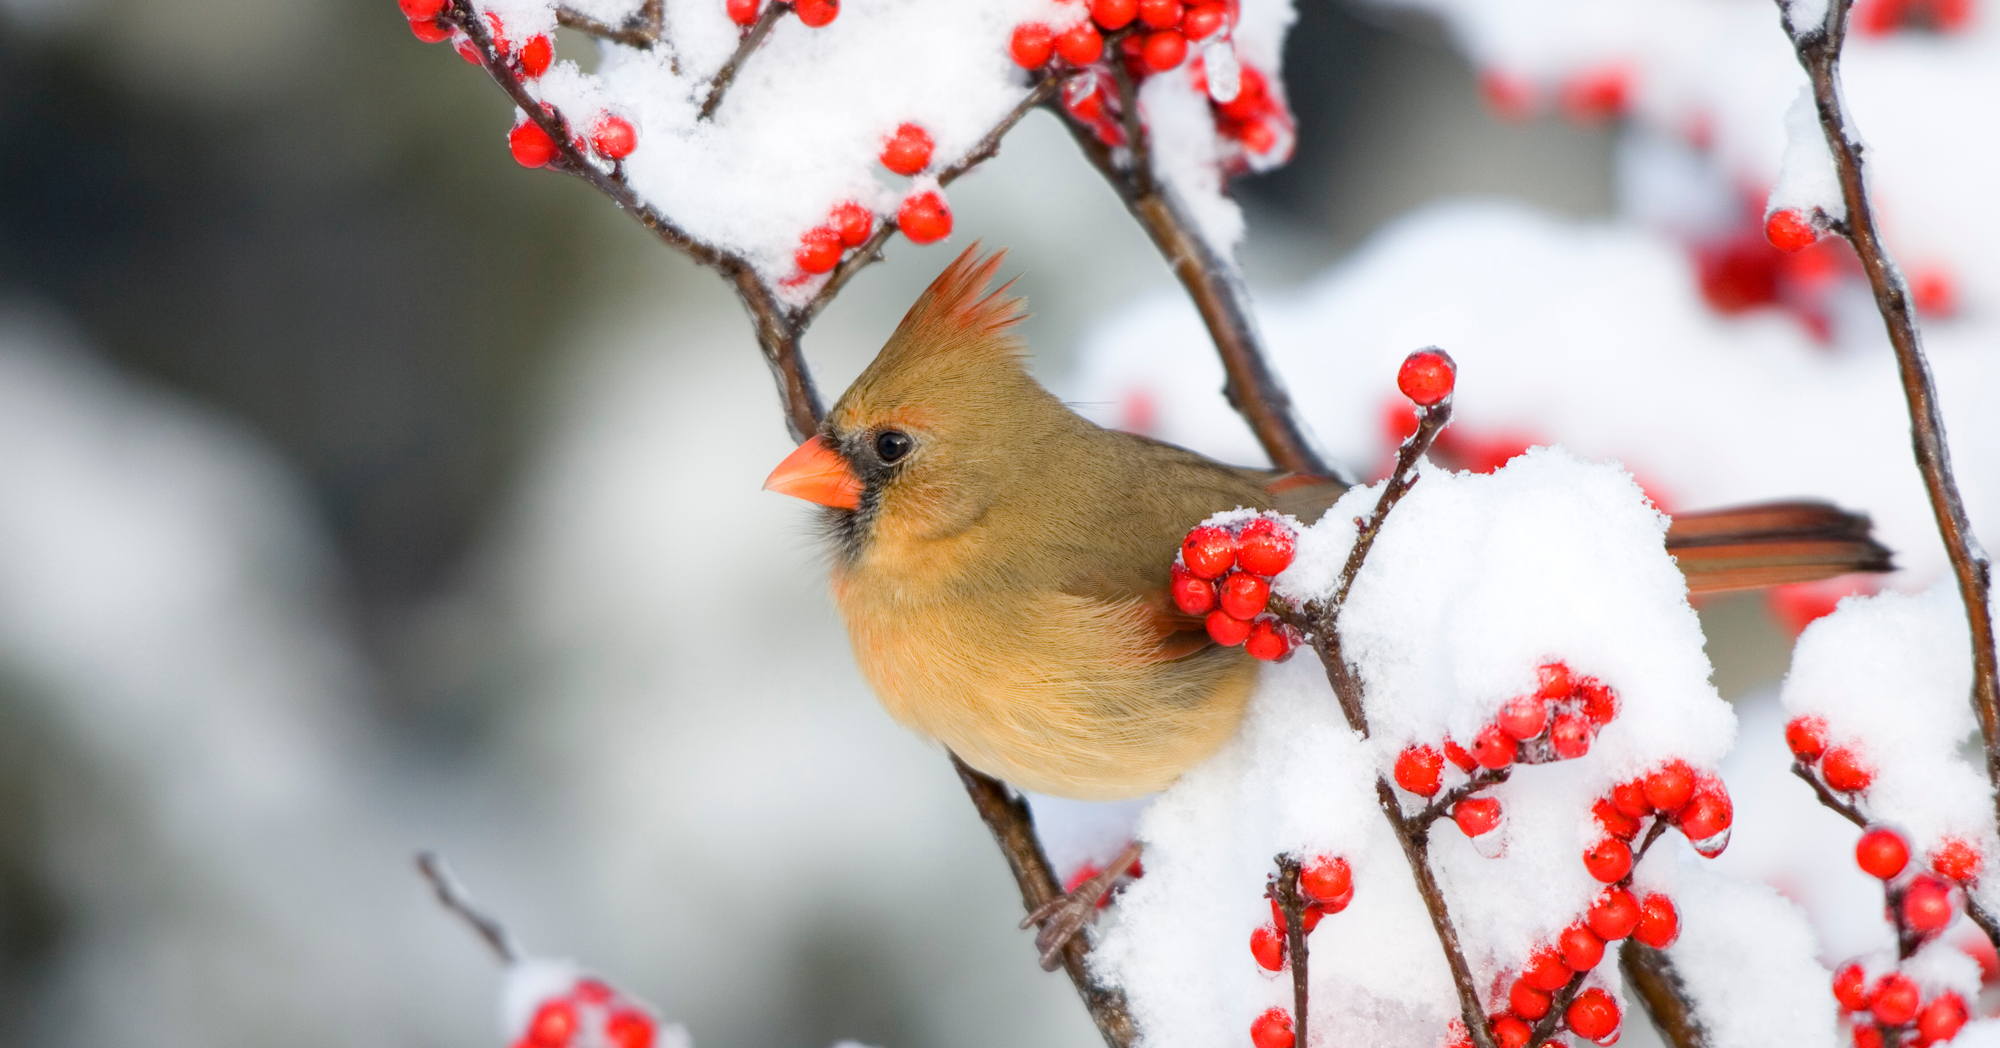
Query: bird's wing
[1304,496]
[1174,633]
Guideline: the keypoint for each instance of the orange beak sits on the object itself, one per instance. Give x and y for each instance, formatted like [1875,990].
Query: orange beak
[816,473]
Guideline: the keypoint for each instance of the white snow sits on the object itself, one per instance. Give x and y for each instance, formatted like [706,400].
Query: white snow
[1806,181]
[1746,956]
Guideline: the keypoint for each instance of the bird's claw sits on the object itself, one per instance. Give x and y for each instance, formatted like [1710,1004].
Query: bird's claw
[1060,919]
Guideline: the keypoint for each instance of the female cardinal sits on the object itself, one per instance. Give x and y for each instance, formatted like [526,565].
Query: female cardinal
[1002,563]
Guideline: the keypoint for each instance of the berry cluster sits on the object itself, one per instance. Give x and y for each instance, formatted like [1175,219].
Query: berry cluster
[1327,883]
[1881,17]
[589,1013]
[1224,574]
[814,13]
[1589,96]
[1888,1006]
[924,216]
[1552,968]
[1842,769]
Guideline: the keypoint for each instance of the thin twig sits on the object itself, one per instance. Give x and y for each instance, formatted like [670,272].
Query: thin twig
[719,84]
[1442,804]
[1652,978]
[1818,50]
[641,31]
[453,896]
[1284,890]
[1848,811]
[1545,1028]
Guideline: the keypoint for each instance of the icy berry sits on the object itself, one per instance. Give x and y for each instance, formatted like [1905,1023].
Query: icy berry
[1600,703]
[819,250]
[1896,999]
[1476,815]
[908,150]
[1850,988]
[613,137]
[1033,44]
[1265,547]
[1788,229]
[536,55]
[1659,922]
[531,145]
[744,12]
[1708,813]
[1630,797]
[1273,1029]
[816,13]
[1164,50]
[1545,969]
[1114,14]
[1933,291]
[1608,860]
[1205,20]
[1269,640]
[1670,786]
[1927,904]
[854,223]
[924,218]
[1593,1015]
[1326,879]
[1615,822]
[1494,748]
[1614,915]
[1940,1020]
[1427,376]
[1523,717]
[1581,948]
[1245,595]
[1080,44]
[1209,552]
[1160,14]
[1456,754]
[553,1026]
[1195,596]
[1844,770]
[431,32]
[1418,770]
[1553,680]
[422,10]
[1807,738]
[1226,629]
[629,1028]
[1570,736]
[1881,853]
[1526,1001]
[1511,1031]
[1957,859]
[1267,944]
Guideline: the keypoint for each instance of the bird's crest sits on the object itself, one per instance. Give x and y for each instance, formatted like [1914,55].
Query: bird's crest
[957,316]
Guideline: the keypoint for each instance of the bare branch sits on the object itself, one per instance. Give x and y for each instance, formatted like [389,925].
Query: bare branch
[641,31]
[1848,811]
[453,896]
[752,40]
[1818,50]
[1652,977]
[1558,1004]
[1284,890]
[1441,806]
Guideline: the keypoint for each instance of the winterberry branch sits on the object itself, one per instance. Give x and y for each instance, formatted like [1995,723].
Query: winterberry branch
[1442,805]
[453,897]
[1284,890]
[718,85]
[1652,977]
[1826,796]
[1818,50]
[1546,1028]
[642,30]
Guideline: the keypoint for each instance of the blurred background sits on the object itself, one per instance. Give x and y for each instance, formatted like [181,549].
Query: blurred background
[361,491]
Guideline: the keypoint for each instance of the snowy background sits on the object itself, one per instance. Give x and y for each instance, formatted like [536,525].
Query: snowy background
[362,492]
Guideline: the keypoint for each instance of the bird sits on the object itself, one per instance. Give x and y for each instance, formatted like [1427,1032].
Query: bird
[1002,563]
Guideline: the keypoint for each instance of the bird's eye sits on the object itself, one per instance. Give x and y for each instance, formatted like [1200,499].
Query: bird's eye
[892,445]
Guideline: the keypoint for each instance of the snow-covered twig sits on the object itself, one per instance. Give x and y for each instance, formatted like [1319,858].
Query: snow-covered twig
[754,38]
[1284,890]
[642,30]
[452,896]
[1818,49]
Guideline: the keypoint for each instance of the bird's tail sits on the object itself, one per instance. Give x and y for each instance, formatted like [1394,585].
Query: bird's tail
[1773,543]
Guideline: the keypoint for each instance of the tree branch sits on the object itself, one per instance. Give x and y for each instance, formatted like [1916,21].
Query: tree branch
[1818,50]
[453,897]
[1652,977]
[641,31]
[1284,890]
[719,84]
[1441,806]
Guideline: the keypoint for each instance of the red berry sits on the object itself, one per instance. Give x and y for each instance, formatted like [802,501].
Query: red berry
[1670,786]
[1595,94]
[854,223]
[1526,1001]
[1494,748]
[1114,14]
[553,1026]
[1615,822]
[592,991]
[1614,915]
[1608,860]
[1326,879]
[1927,904]
[1418,770]
[1659,922]
[1630,798]
[1160,14]
[1789,229]
[819,250]
[1034,43]
[613,137]
[1600,703]
[1244,595]
[1225,629]
[1426,377]
[1570,736]
[1581,947]
[1957,859]
[744,12]
[1456,754]
[908,150]
[422,10]
[924,218]
[1545,970]
[499,33]
[536,55]
[1080,44]
[1267,944]
[1164,50]
[1204,21]
[1265,547]
[816,13]
[531,145]
[1707,813]
[1476,815]
[1844,770]
[1933,291]
[1881,853]
[1867,1035]
[1195,596]
[628,1028]
[1593,1015]
[1850,988]
[1209,552]
[1940,1020]
[1269,641]
[1553,680]
[1896,999]
[431,32]
[1807,738]
[1309,917]
[466,51]
[1511,1031]
[1273,1029]
[1523,717]
[1257,137]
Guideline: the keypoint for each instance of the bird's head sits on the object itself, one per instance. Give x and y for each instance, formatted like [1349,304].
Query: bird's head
[922,444]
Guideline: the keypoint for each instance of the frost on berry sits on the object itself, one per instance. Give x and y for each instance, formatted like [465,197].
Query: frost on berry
[1659,922]
[1327,880]
[1494,748]
[1806,736]
[1845,770]
[908,149]
[1427,376]
[1897,999]
[819,250]
[1609,860]
[1927,904]
[1270,640]
[1670,786]
[1581,948]
[548,1004]
[743,12]
[1528,1001]
[1614,915]
[1031,47]
[1209,552]
[1419,769]
[613,137]
[1244,595]
[1545,969]
[1272,1029]
[1476,815]
[1593,1015]
[1267,944]
[1957,859]
[1789,229]
[816,13]
[1265,547]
